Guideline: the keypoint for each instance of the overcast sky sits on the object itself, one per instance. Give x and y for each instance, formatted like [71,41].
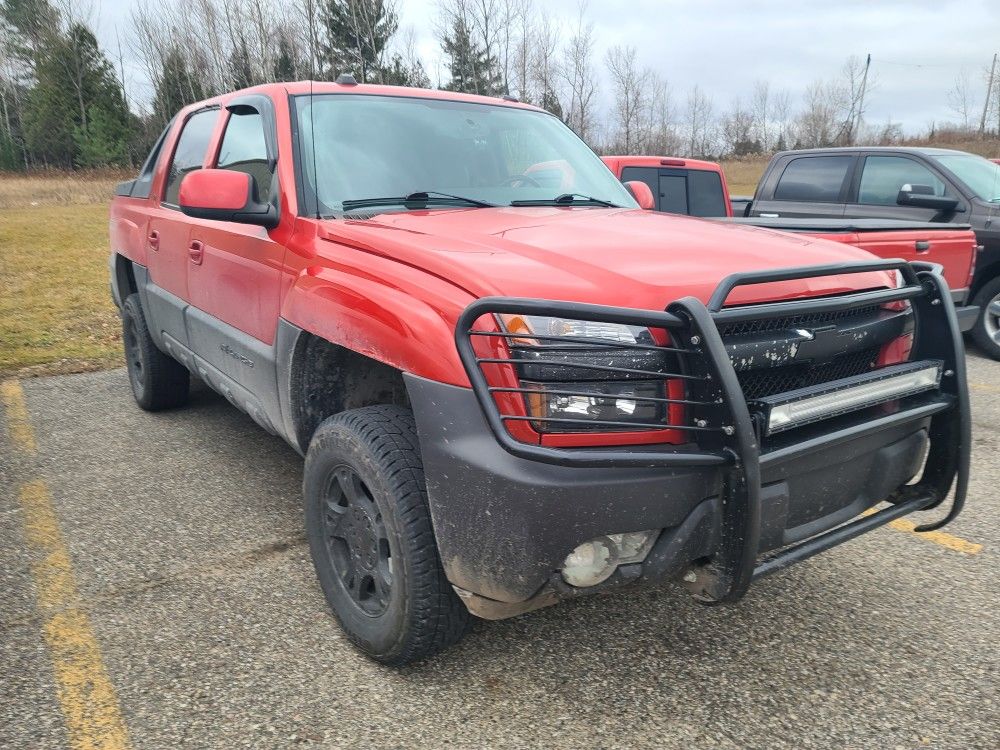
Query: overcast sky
[918,47]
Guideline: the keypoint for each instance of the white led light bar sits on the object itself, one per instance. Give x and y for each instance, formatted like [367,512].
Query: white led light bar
[797,408]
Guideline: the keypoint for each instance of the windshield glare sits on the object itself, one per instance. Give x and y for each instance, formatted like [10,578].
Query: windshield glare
[386,146]
[980,175]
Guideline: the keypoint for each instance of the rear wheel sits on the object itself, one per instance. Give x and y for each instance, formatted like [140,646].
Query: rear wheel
[158,381]
[371,538]
[987,331]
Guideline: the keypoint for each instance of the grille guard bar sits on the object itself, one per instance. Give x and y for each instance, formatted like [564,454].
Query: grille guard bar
[732,448]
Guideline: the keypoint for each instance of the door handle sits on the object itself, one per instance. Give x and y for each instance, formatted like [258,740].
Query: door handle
[923,246]
[196,251]
[154,240]
[769,216]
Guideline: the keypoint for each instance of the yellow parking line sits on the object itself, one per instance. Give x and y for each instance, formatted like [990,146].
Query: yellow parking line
[950,541]
[18,424]
[988,388]
[86,695]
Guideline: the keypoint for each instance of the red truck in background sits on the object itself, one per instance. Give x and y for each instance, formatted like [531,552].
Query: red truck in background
[512,386]
[695,187]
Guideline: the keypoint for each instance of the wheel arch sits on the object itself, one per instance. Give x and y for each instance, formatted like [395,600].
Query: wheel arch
[984,276]
[322,379]
[122,279]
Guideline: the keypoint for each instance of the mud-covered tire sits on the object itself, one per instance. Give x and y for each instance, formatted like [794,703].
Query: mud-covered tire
[371,538]
[986,332]
[158,381]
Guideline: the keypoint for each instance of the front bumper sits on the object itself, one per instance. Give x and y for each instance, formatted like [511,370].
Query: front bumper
[506,514]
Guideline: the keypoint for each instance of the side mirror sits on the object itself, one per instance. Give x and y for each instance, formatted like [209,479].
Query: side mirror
[224,195]
[922,196]
[642,194]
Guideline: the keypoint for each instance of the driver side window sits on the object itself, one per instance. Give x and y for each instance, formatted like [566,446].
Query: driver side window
[244,149]
[884,176]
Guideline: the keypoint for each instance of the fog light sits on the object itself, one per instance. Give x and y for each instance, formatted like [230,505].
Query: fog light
[590,563]
[594,561]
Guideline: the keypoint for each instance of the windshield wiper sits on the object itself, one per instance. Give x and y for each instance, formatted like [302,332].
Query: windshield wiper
[566,199]
[417,200]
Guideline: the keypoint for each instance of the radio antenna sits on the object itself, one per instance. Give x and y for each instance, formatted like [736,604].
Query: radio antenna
[312,100]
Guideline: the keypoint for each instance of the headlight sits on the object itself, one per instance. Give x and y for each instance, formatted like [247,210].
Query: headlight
[566,328]
[582,371]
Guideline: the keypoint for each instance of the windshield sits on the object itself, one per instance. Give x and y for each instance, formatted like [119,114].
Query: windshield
[371,147]
[980,175]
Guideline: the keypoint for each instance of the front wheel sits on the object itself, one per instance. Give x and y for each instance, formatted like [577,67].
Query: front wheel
[987,330]
[371,538]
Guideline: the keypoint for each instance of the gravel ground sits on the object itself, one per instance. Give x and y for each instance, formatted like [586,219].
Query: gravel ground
[184,532]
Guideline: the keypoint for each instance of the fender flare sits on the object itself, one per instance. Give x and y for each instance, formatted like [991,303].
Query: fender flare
[387,323]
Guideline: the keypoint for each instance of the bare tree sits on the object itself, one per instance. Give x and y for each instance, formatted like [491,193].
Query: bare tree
[698,123]
[856,83]
[960,100]
[663,137]
[737,129]
[760,109]
[580,77]
[781,108]
[819,123]
[545,65]
[631,86]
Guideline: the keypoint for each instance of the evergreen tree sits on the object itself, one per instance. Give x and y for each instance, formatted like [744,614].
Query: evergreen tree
[357,32]
[241,71]
[176,86]
[71,76]
[472,70]
[399,72]
[103,143]
[285,67]
[550,103]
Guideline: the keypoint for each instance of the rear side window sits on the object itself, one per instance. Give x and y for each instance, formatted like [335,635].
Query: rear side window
[705,196]
[244,149]
[814,179]
[682,191]
[190,152]
[884,176]
[644,174]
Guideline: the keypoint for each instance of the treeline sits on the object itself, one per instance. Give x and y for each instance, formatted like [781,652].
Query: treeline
[64,102]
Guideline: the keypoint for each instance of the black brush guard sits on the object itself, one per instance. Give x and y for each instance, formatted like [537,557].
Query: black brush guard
[722,431]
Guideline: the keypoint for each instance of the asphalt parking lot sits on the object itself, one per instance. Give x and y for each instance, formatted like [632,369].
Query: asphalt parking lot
[156,592]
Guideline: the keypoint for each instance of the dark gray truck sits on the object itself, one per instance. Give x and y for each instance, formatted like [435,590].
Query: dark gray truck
[915,184]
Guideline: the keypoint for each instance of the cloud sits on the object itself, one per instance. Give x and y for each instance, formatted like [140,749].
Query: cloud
[918,49]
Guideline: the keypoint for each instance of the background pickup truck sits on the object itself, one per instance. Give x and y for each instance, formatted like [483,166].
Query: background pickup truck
[913,184]
[698,188]
[510,385]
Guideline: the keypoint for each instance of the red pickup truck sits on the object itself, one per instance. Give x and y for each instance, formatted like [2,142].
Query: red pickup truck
[512,386]
[694,187]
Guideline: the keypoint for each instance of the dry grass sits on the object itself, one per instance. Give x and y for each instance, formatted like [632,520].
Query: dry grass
[743,174]
[57,188]
[56,313]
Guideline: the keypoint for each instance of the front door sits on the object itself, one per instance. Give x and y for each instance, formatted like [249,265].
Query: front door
[882,177]
[234,270]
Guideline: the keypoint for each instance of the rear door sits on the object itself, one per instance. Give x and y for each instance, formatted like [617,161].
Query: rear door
[814,185]
[879,180]
[169,230]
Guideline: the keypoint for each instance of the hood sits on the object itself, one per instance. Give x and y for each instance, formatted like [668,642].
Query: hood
[623,257]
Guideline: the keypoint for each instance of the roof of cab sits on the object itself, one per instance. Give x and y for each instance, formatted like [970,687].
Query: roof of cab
[302,88]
